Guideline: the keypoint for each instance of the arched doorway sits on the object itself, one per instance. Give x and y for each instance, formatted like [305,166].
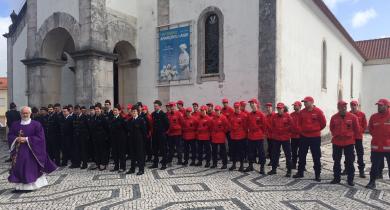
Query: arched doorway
[57,68]
[125,73]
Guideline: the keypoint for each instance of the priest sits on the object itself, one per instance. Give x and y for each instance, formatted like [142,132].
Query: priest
[30,161]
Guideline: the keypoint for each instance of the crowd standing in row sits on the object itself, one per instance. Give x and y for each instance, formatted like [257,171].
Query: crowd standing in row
[205,134]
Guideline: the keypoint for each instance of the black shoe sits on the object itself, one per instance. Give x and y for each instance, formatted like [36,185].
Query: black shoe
[298,175]
[272,172]
[63,164]
[288,174]
[153,166]
[262,171]
[140,173]
[84,166]
[248,169]
[362,175]
[224,166]
[344,172]
[214,165]
[350,183]
[131,171]
[318,178]
[114,169]
[185,163]
[207,165]
[233,167]
[241,168]
[371,185]
[199,163]
[192,163]
[163,167]
[93,167]
[335,181]
[73,166]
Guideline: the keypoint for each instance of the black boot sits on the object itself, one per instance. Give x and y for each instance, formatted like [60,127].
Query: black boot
[288,174]
[131,171]
[335,181]
[361,174]
[249,168]
[84,166]
[224,166]
[214,165]
[298,175]
[199,163]
[207,164]
[371,184]
[262,171]
[350,183]
[233,167]
[163,167]
[185,163]
[272,172]
[192,163]
[140,172]
[241,167]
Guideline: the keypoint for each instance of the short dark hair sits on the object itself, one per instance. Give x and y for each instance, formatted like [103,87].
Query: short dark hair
[77,106]
[34,110]
[70,106]
[12,105]
[83,107]
[66,107]
[118,106]
[158,102]
[134,108]
[98,105]
[92,107]
[50,106]
[43,108]
[107,102]
[57,105]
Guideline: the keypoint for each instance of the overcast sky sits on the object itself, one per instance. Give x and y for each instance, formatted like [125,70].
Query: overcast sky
[363,19]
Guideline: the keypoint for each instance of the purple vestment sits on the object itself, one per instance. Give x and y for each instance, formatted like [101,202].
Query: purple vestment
[31,160]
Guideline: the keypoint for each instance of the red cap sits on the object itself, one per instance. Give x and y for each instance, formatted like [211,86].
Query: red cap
[268,104]
[253,100]
[129,106]
[382,101]
[280,105]
[144,107]
[203,108]
[225,100]
[171,104]
[354,102]
[189,109]
[236,104]
[210,104]
[195,103]
[218,108]
[180,102]
[342,103]
[243,103]
[297,103]
[308,99]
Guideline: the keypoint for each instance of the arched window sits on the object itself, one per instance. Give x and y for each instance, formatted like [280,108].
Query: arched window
[210,45]
[324,65]
[352,81]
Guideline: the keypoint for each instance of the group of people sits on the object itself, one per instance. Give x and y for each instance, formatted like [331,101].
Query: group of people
[206,134]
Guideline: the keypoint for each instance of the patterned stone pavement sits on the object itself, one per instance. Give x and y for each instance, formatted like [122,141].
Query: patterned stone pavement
[195,188]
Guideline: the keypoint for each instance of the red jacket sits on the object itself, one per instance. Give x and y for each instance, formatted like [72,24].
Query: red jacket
[182,111]
[196,114]
[362,124]
[282,127]
[175,123]
[238,128]
[268,131]
[204,128]
[228,111]
[344,129]
[189,128]
[257,125]
[312,122]
[295,133]
[379,127]
[219,128]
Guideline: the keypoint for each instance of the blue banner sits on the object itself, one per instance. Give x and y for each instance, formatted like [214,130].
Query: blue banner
[175,54]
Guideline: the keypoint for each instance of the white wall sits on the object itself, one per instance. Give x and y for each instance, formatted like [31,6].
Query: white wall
[128,7]
[146,77]
[240,50]
[375,86]
[46,8]
[302,27]
[19,69]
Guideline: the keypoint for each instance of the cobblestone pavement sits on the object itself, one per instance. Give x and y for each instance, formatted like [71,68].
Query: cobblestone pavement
[195,188]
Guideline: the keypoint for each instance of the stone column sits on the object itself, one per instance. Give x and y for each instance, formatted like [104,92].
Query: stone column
[44,81]
[94,77]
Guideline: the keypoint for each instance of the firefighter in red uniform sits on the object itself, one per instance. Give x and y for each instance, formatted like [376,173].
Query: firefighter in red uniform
[238,134]
[282,126]
[196,112]
[227,111]
[210,109]
[180,107]
[269,113]
[203,136]
[148,141]
[344,127]
[245,112]
[174,133]
[359,137]
[189,137]
[243,107]
[257,125]
[311,122]
[295,136]
[379,127]
[219,128]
